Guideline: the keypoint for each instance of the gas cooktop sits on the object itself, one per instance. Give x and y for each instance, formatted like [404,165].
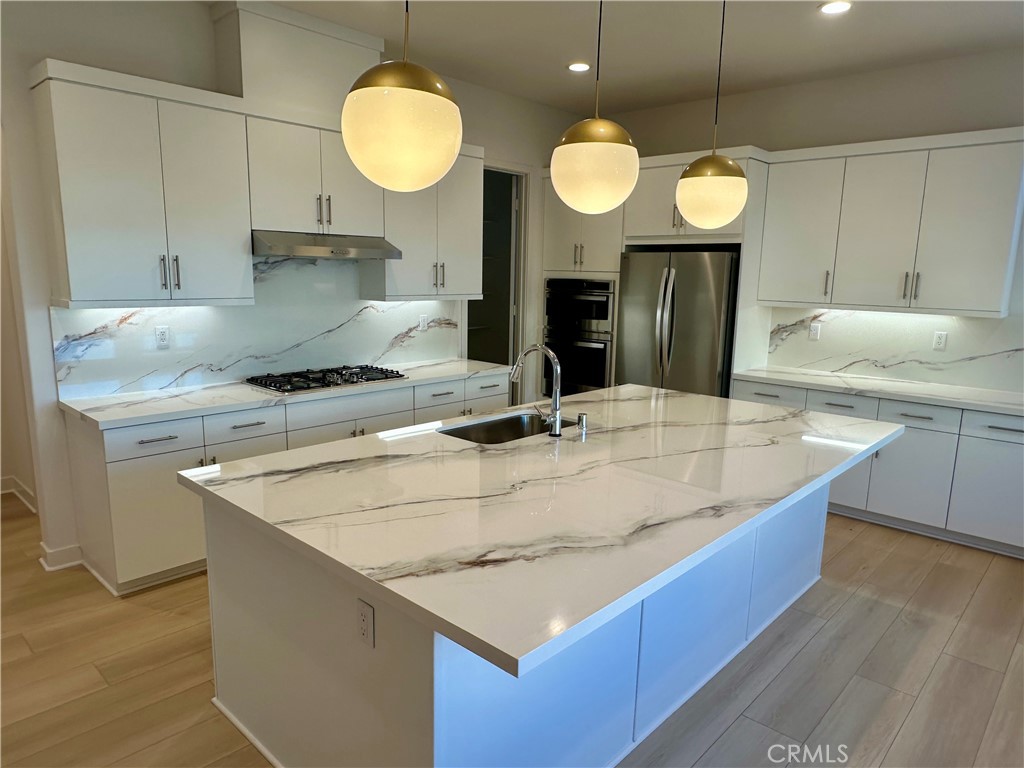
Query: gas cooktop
[300,381]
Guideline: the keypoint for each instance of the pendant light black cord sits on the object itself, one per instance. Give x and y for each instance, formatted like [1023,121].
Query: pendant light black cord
[597,78]
[405,46]
[718,84]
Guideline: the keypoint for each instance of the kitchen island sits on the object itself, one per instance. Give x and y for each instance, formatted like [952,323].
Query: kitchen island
[410,598]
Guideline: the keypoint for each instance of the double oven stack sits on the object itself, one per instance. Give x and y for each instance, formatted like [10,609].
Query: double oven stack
[578,327]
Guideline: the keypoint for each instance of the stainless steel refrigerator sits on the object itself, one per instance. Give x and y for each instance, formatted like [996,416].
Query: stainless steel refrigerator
[676,317]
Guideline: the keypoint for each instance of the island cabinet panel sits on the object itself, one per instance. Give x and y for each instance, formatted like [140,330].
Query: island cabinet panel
[573,710]
[691,628]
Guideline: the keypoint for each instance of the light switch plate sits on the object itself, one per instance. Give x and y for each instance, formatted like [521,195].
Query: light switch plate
[814,331]
[939,341]
[163,336]
[423,322]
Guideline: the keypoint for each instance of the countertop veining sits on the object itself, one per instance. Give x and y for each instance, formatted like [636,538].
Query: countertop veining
[516,550]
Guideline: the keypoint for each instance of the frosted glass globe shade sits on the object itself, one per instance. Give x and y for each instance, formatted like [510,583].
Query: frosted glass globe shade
[595,166]
[401,138]
[711,192]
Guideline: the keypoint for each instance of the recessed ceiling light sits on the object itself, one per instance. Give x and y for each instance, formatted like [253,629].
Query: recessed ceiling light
[579,66]
[838,6]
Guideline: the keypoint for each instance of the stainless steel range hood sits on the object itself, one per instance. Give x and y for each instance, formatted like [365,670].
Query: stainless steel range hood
[306,246]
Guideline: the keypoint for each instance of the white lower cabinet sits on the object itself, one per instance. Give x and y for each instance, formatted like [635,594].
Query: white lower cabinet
[911,477]
[486,404]
[237,450]
[156,524]
[988,494]
[325,433]
[440,412]
[769,394]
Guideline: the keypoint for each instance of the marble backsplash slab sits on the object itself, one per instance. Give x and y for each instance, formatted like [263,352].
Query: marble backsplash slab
[307,314]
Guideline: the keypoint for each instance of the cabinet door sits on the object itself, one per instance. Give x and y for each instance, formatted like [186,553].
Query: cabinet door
[881,214]
[651,209]
[284,176]
[911,477]
[562,230]
[246,449]
[440,412]
[988,495]
[157,524]
[486,404]
[801,225]
[850,489]
[353,205]
[410,224]
[460,228]
[111,193]
[326,433]
[374,424]
[601,242]
[206,190]
[968,225]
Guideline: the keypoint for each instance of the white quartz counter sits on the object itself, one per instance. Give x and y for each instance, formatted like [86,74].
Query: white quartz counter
[517,550]
[973,398]
[133,408]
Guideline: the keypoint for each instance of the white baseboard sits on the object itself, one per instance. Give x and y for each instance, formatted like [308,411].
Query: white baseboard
[247,733]
[61,558]
[11,484]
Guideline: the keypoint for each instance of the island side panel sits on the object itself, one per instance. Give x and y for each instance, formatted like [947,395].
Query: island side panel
[574,709]
[787,558]
[290,668]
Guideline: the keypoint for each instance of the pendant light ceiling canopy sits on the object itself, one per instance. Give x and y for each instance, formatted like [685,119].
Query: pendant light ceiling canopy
[595,165]
[401,125]
[712,190]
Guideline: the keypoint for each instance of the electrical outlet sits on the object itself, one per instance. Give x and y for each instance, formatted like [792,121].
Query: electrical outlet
[423,322]
[163,336]
[939,341]
[365,616]
[814,332]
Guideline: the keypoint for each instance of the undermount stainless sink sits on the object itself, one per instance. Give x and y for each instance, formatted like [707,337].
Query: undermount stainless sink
[502,430]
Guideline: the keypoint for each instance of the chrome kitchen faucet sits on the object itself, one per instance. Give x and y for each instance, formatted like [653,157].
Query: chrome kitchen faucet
[555,419]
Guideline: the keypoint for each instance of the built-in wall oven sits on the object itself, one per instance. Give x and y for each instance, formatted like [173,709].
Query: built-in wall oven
[579,315]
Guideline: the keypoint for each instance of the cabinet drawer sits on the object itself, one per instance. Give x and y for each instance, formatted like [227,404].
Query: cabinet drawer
[443,392]
[327,433]
[246,449]
[486,386]
[439,412]
[770,394]
[319,412]
[486,404]
[993,426]
[238,425]
[151,439]
[857,406]
[937,418]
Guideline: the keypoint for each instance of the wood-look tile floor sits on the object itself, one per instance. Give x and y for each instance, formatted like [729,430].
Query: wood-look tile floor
[908,652]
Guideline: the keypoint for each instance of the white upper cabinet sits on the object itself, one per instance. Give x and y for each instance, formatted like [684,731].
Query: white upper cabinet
[107,195]
[353,205]
[578,241]
[801,227]
[410,224]
[881,213]
[284,176]
[206,191]
[460,228]
[970,226]
[651,209]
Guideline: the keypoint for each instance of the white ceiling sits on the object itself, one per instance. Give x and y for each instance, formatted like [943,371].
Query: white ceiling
[664,51]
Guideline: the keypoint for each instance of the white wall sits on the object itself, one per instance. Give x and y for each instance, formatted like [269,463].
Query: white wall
[15,456]
[963,94]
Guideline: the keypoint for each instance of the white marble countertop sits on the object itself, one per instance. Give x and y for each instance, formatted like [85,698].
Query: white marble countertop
[971,398]
[131,408]
[517,550]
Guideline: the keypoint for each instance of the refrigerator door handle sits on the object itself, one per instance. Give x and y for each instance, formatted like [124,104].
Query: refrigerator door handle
[666,342]
[659,319]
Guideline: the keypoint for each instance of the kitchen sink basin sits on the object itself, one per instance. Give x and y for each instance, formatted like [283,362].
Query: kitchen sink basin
[502,430]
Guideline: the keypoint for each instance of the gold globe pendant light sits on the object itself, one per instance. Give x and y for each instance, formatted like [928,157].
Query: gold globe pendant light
[401,125]
[595,165]
[712,190]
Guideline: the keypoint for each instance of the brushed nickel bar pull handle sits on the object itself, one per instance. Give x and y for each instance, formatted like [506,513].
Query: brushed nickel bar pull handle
[1006,429]
[915,416]
[354,432]
[767,394]
[330,211]
[839,405]
[490,386]
[177,272]
[442,394]
[202,463]
[250,424]
[213,460]
[906,281]
[469,411]
[582,251]
[163,271]
[575,254]
[319,209]
[442,275]
[149,440]
[435,274]
[362,431]
[828,274]
[917,286]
